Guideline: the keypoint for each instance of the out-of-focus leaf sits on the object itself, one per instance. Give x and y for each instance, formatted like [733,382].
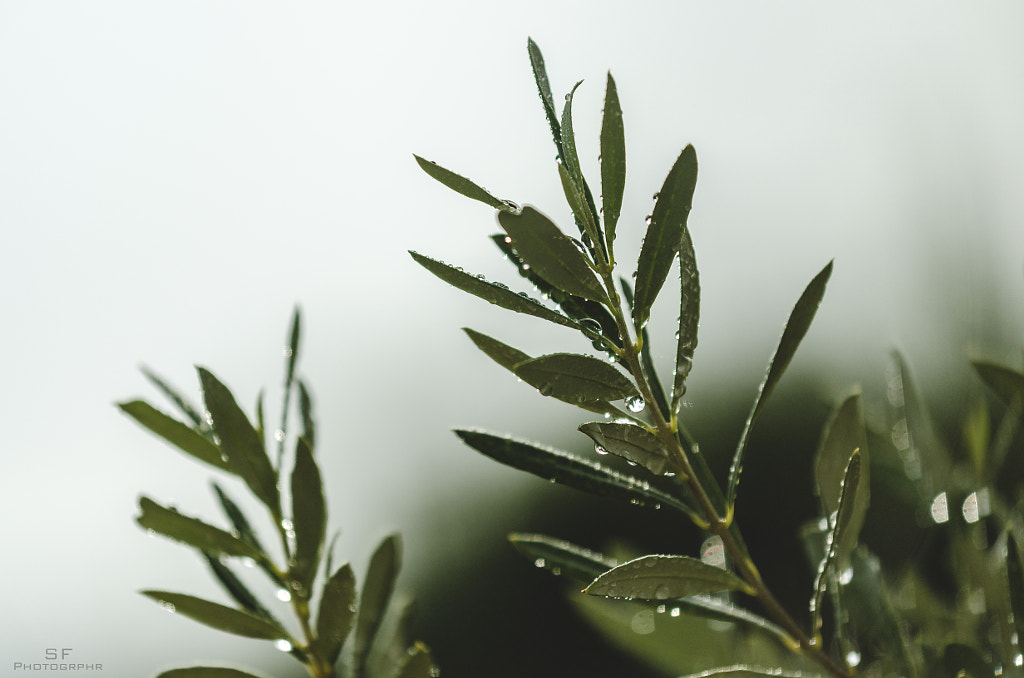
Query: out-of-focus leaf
[977,436]
[844,433]
[418,664]
[1006,383]
[924,455]
[575,378]
[306,410]
[238,520]
[309,516]
[664,234]
[664,578]
[186,407]
[192,531]
[540,76]
[495,293]
[261,422]
[742,670]
[462,185]
[646,361]
[221,617]
[551,253]
[181,435]
[629,441]
[395,641]
[586,216]
[206,672]
[964,661]
[1015,577]
[373,602]
[689,316]
[337,612]
[613,161]
[796,327]
[291,352]
[240,442]
[236,589]
[560,467]
[562,557]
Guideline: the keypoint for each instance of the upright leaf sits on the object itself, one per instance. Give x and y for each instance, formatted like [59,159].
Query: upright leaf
[306,410]
[629,441]
[664,233]
[238,520]
[575,378]
[578,204]
[796,327]
[462,185]
[219,616]
[646,361]
[192,531]
[921,449]
[1006,383]
[664,578]
[182,436]
[183,404]
[540,76]
[583,205]
[337,612]
[291,352]
[613,161]
[240,442]
[377,590]
[309,516]
[689,317]
[419,663]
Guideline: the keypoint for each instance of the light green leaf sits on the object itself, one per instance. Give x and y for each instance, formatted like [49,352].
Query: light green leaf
[796,327]
[629,441]
[418,664]
[551,254]
[179,434]
[689,317]
[219,616]
[562,557]
[664,578]
[495,293]
[1006,383]
[462,185]
[206,672]
[240,442]
[337,612]
[575,378]
[192,531]
[377,590]
[309,516]
[540,76]
[613,161]
[664,234]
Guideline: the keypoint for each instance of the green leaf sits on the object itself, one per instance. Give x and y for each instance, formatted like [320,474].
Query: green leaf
[646,361]
[575,378]
[578,204]
[236,589]
[613,161]
[964,661]
[495,293]
[377,590]
[190,411]
[192,531]
[238,521]
[418,664]
[206,672]
[1015,577]
[462,185]
[629,441]
[914,434]
[291,352]
[747,670]
[1006,383]
[309,516]
[664,234]
[562,557]
[337,612]
[689,317]
[583,204]
[306,410]
[664,578]
[551,253]
[563,468]
[793,333]
[240,442]
[540,76]
[180,435]
[219,616]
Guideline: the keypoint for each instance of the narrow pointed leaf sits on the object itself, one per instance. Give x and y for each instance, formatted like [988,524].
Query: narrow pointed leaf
[192,531]
[613,160]
[796,328]
[462,185]
[240,442]
[664,234]
[206,672]
[915,434]
[551,253]
[750,671]
[337,612]
[578,204]
[377,590]
[575,378]
[540,76]
[497,294]
[664,578]
[1015,577]
[177,433]
[236,589]
[1004,382]
[712,608]
[261,422]
[689,318]
[419,663]
[190,411]
[238,520]
[566,469]
[646,361]
[562,557]
[306,411]
[309,516]
[291,352]
[629,441]
[219,616]
[586,216]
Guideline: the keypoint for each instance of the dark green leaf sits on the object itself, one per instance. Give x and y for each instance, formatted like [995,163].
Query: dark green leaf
[462,185]
[629,441]
[291,352]
[236,589]
[418,663]
[219,616]
[613,160]
[337,612]
[1006,383]
[578,204]
[646,361]
[495,293]
[964,661]
[551,253]
[749,670]
[1015,577]
[575,378]
[712,608]
[796,327]
[664,234]
[238,520]
[560,467]
[583,203]
[664,578]
[176,433]
[184,404]
[562,557]
[261,422]
[240,442]
[309,516]
[540,76]
[377,590]
[689,316]
[192,531]
[206,672]
[306,410]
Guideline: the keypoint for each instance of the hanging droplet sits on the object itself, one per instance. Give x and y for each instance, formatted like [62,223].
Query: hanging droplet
[283,595]
[540,562]
[590,325]
[283,645]
[635,403]
[600,450]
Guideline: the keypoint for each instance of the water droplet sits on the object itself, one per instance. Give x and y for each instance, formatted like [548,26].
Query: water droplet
[635,403]
[500,285]
[846,576]
[642,622]
[557,571]
[283,645]
[283,595]
[853,658]
[600,450]
[712,551]
[278,435]
[590,325]
[940,508]
[435,672]
[1018,660]
[248,562]
[508,240]
[167,606]
[675,612]
[656,196]
[546,389]
[661,609]
[662,592]
[515,208]
[540,562]
[287,351]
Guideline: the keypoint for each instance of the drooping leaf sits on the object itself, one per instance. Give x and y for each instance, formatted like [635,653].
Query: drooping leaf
[1006,383]
[613,161]
[562,557]
[689,317]
[575,378]
[186,407]
[220,617]
[309,516]
[540,76]
[179,434]
[377,590]
[192,531]
[240,442]
[236,589]
[584,209]
[629,441]
[419,663]
[664,234]
[337,612]
[646,361]
[563,468]
[664,578]
[206,672]
[495,293]
[551,253]
[1015,578]
[306,410]
[462,185]
[796,327]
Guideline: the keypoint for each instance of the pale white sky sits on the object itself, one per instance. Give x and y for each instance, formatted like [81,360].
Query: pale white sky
[175,176]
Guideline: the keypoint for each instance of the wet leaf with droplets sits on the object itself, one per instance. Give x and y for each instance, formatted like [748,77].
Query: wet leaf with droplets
[613,160]
[540,76]
[378,587]
[461,184]
[575,378]
[629,441]
[177,433]
[646,361]
[578,204]
[689,318]
[206,672]
[192,531]
[220,617]
[337,613]
[571,560]
[309,515]
[664,578]
[581,200]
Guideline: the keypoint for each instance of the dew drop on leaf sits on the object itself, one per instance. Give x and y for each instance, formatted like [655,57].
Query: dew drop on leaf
[283,645]
[635,404]
[540,562]
[283,595]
